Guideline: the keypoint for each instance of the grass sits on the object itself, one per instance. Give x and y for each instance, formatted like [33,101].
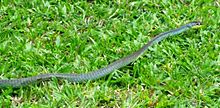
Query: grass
[77,36]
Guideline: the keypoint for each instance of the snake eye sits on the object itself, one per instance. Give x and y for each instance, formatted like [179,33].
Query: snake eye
[199,23]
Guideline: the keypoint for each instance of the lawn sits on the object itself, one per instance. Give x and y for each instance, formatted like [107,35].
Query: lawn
[67,36]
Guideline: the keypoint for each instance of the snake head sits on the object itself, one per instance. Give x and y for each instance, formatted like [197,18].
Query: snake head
[195,24]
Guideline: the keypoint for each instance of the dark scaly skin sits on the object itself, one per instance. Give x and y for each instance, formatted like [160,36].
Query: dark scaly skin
[16,83]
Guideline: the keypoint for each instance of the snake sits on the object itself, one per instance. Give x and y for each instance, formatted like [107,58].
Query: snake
[71,77]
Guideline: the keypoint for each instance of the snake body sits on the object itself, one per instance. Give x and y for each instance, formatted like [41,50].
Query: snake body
[16,83]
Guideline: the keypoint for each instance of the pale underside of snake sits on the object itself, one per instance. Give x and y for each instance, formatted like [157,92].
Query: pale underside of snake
[15,83]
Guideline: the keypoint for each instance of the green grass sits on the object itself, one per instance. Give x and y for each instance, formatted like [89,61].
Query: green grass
[77,36]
